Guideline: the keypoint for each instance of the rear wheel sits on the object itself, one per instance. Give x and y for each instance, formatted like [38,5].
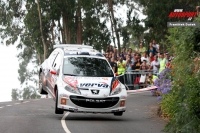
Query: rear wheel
[57,111]
[41,85]
[118,113]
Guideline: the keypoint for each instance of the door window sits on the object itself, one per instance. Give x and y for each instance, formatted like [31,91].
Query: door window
[52,58]
[57,62]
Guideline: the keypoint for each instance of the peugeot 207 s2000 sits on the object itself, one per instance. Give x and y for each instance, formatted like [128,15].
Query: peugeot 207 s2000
[80,79]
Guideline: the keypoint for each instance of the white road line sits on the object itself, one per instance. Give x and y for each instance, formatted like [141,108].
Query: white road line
[8,105]
[1,107]
[17,103]
[26,101]
[64,123]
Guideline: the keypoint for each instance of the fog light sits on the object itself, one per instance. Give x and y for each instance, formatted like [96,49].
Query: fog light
[122,103]
[63,101]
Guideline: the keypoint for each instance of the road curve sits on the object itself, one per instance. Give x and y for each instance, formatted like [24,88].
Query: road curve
[37,116]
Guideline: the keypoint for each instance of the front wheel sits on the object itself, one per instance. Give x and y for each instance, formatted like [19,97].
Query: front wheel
[118,113]
[57,111]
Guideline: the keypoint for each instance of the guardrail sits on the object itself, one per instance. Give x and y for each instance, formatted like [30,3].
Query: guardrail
[137,79]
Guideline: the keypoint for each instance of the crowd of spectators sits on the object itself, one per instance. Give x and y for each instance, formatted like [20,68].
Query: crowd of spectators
[144,58]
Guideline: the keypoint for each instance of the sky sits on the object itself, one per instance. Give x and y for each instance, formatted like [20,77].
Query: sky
[9,74]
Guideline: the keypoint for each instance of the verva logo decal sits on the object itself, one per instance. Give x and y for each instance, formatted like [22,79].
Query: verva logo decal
[100,85]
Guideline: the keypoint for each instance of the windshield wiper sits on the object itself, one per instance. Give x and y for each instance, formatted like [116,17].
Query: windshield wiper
[70,74]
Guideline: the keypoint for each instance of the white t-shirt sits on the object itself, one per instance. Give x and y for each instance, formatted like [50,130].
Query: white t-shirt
[156,46]
[155,69]
[147,59]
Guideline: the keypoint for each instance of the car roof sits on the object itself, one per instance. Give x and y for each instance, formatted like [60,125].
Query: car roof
[77,50]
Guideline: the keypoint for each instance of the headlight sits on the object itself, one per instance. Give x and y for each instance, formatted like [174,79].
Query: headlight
[116,87]
[71,85]
[72,89]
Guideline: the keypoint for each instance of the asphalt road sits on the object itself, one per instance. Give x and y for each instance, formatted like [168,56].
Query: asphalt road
[37,116]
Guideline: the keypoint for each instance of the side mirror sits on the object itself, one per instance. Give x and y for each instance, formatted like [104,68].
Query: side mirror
[53,72]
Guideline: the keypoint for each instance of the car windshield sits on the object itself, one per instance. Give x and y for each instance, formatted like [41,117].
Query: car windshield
[87,66]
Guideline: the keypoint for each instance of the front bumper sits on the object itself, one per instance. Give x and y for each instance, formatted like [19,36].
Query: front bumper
[83,104]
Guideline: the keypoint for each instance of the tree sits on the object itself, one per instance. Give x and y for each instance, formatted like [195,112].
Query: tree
[30,92]
[15,94]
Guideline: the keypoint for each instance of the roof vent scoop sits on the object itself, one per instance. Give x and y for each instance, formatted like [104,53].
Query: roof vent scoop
[84,53]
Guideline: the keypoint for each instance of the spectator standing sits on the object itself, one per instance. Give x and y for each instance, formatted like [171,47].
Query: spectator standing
[145,57]
[156,46]
[144,65]
[130,50]
[159,59]
[124,53]
[162,63]
[108,59]
[113,65]
[115,54]
[168,64]
[151,57]
[138,62]
[129,75]
[166,57]
[110,49]
[121,66]
[141,49]
[155,65]
[151,49]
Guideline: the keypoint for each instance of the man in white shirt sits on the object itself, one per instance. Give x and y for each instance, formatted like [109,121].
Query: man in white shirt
[156,46]
[155,65]
[145,57]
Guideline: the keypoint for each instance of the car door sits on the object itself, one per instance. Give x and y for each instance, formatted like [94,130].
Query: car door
[56,68]
[50,62]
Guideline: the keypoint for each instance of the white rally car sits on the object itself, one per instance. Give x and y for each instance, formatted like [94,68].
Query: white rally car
[80,79]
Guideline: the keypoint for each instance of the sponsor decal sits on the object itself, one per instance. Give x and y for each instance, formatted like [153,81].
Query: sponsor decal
[95,101]
[71,81]
[115,84]
[64,95]
[99,85]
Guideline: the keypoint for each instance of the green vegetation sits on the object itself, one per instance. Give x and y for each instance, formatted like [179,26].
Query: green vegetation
[182,104]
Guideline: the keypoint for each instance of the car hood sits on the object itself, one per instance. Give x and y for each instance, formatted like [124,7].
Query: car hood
[89,82]
[96,87]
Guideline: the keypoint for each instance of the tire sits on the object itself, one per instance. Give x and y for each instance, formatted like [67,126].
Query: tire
[57,111]
[42,91]
[118,113]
